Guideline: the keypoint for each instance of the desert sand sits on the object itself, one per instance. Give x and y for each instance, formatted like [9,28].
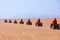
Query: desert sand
[11,31]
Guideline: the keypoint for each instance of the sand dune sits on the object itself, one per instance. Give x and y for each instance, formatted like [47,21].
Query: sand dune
[11,31]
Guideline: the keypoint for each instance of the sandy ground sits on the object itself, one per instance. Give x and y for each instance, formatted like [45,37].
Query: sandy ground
[11,31]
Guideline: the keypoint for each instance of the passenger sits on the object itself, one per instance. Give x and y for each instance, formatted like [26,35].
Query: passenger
[15,21]
[5,21]
[29,22]
[21,22]
[10,21]
[55,22]
[38,23]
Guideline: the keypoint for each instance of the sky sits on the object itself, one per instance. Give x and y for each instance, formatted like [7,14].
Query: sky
[29,9]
